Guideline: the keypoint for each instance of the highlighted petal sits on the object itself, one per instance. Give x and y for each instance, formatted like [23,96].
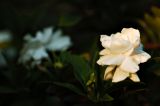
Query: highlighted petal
[108,72]
[48,31]
[141,56]
[59,44]
[120,46]
[106,41]
[104,52]
[134,77]
[129,65]
[39,53]
[132,35]
[111,60]
[120,75]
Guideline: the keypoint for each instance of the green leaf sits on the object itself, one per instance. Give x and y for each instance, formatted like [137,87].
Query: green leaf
[5,89]
[82,70]
[94,51]
[107,97]
[71,87]
[68,20]
[154,66]
[25,102]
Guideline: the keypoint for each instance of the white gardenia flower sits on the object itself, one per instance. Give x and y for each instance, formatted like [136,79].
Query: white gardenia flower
[5,39]
[122,53]
[35,47]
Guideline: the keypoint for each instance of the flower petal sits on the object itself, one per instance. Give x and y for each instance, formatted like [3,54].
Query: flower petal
[111,60]
[28,37]
[129,65]
[104,52]
[131,34]
[141,56]
[108,72]
[39,53]
[57,34]
[5,36]
[134,77]
[48,31]
[61,43]
[105,40]
[120,75]
[120,46]
[117,35]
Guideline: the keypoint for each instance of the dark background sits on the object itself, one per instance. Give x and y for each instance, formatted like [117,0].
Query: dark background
[83,21]
[91,17]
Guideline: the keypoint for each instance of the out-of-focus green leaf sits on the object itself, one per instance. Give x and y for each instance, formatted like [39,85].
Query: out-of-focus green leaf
[5,89]
[68,20]
[149,32]
[107,97]
[156,68]
[82,70]
[92,79]
[156,11]
[52,100]
[26,102]
[71,87]
[94,51]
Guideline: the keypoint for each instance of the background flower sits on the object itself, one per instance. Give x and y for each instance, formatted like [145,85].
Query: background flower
[35,47]
[6,52]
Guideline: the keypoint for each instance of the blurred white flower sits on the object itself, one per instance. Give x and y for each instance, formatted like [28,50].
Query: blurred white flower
[5,36]
[123,52]
[5,39]
[34,51]
[35,47]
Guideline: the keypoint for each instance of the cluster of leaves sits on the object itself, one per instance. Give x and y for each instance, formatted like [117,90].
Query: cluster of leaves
[151,26]
[151,36]
[66,79]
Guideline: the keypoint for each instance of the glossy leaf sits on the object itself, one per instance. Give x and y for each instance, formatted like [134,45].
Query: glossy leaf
[68,20]
[71,87]
[81,68]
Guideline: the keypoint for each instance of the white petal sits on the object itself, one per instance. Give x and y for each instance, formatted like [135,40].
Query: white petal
[133,35]
[41,37]
[5,36]
[48,31]
[62,43]
[108,72]
[105,40]
[120,46]
[134,77]
[141,56]
[120,75]
[104,52]
[57,34]
[129,52]
[111,60]
[129,65]
[28,37]
[116,35]
[39,54]
[108,76]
